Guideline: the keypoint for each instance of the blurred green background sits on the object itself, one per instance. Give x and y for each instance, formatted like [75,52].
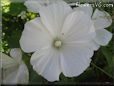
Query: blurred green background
[102,65]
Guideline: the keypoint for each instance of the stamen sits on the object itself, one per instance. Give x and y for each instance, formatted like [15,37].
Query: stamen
[58,43]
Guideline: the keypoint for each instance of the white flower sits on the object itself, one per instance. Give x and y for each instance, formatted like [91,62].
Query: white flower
[61,39]
[14,69]
[35,5]
[101,20]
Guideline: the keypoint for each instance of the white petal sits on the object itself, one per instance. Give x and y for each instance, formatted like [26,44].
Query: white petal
[16,54]
[16,75]
[6,61]
[46,63]
[53,16]
[35,5]
[75,59]
[34,36]
[23,74]
[93,45]
[78,26]
[103,37]
[101,19]
[10,78]
[86,8]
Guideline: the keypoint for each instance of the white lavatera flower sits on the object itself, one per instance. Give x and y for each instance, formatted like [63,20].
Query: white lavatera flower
[62,40]
[35,5]
[101,20]
[14,70]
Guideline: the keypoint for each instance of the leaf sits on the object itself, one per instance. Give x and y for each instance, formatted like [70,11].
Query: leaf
[109,69]
[65,80]
[108,55]
[35,78]
[88,76]
[102,70]
[16,8]
[13,40]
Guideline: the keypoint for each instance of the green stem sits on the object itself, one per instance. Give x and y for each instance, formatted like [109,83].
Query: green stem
[101,70]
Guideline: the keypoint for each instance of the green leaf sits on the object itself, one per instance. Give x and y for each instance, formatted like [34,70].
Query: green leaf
[87,76]
[109,69]
[13,40]
[16,8]
[108,55]
[105,72]
[65,80]
[35,78]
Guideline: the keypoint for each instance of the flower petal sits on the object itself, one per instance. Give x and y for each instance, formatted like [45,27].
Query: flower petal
[16,54]
[46,63]
[101,19]
[86,8]
[16,75]
[78,27]
[93,45]
[53,16]
[103,37]
[75,59]
[23,74]
[9,76]
[34,36]
[6,61]
[33,6]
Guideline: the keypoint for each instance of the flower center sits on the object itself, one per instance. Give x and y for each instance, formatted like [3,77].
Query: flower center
[57,43]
